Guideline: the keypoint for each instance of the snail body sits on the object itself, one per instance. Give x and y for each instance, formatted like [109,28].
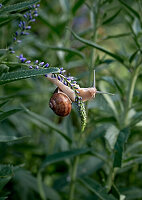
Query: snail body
[61,100]
[85,93]
[60,103]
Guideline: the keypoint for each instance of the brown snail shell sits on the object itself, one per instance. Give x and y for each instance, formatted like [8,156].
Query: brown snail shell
[60,103]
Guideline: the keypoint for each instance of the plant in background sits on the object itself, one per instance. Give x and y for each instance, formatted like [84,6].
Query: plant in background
[44,156]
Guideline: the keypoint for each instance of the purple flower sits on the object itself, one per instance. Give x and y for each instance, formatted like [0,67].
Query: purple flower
[30,67]
[28,27]
[37,67]
[14,38]
[42,63]
[33,20]
[0,5]
[47,65]
[21,56]
[25,16]
[28,61]
[20,24]
[16,33]
[12,51]
[36,62]
[38,5]
[46,75]
[23,59]
[10,48]
[59,78]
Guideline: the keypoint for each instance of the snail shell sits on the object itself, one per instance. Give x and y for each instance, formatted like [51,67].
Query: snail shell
[60,103]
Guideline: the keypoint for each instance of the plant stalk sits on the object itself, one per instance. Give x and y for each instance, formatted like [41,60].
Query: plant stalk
[73,178]
[74,168]
[130,94]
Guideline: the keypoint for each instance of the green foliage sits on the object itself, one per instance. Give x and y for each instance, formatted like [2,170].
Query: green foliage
[23,74]
[47,157]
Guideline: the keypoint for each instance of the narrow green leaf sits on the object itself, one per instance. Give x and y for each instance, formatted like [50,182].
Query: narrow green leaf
[48,123]
[119,147]
[134,12]
[4,19]
[111,136]
[94,45]
[23,74]
[18,6]
[70,50]
[5,138]
[3,103]
[3,198]
[116,36]
[111,18]
[96,188]
[77,5]
[6,173]
[6,114]
[62,156]
[133,56]
[136,119]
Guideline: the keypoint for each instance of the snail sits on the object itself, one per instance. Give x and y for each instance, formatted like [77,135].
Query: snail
[60,103]
[63,96]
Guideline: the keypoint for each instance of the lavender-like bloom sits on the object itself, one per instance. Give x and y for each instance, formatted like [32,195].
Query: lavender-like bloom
[25,16]
[16,33]
[36,62]
[30,67]
[0,5]
[32,20]
[28,27]
[59,78]
[28,62]
[37,67]
[77,92]
[42,63]
[47,65]
[12,52]
[22,59]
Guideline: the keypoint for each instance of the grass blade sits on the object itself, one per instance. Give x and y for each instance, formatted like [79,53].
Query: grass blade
[119,147]
[23,74]
[130,9]
[18,6]
[6,114]
[62,156]
[96,188]
[96,46]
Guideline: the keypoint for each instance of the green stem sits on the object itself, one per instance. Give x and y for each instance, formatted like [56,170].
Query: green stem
[74,168]
[94,19]
[110,178]
[40,186]
[130,94]
[73,178]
